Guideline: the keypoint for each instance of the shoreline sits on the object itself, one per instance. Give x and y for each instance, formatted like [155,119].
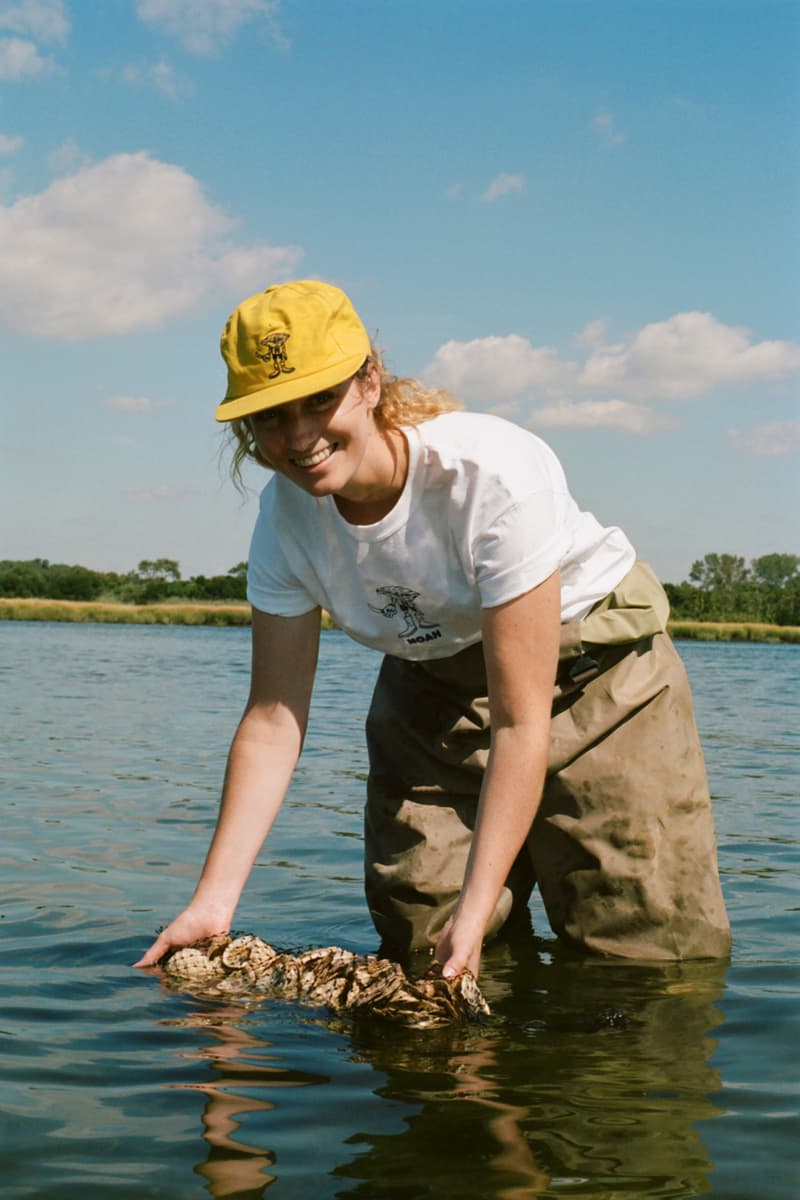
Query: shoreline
[99,612]
[222,613]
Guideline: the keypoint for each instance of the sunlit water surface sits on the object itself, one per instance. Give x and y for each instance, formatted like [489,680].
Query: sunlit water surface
[115,739]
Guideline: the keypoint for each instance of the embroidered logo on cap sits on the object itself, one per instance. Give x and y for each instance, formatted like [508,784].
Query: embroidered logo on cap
[275,353]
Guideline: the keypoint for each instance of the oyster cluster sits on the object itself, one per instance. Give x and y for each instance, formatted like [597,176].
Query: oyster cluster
[343,981]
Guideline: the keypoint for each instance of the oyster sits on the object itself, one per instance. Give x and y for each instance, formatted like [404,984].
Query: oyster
[248,967]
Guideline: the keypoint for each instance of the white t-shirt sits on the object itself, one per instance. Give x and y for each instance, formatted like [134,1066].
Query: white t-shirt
[485,515]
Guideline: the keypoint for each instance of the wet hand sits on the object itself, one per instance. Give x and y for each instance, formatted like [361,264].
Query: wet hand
[187,928]
[458,948]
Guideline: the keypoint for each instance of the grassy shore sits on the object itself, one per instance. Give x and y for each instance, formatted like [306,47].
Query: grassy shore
[180,613]
[733,631]
[99,612]
[105,613]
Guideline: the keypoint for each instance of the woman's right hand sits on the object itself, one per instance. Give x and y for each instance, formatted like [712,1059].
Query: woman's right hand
[191,926]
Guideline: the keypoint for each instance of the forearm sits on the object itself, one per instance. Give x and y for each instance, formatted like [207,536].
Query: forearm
[520,645]
[509,800]
[260,766]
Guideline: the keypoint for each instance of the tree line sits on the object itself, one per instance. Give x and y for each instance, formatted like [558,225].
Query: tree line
[724,587]
[152,581]
[720,587]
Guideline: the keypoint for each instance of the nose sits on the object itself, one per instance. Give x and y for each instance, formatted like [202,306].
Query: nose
[299,426]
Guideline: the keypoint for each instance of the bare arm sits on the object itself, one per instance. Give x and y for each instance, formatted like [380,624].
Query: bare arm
[262,757]
[520,641]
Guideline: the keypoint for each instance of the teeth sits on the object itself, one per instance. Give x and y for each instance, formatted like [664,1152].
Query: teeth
[314,459]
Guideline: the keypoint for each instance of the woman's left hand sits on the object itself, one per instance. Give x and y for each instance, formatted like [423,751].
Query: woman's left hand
[458,949]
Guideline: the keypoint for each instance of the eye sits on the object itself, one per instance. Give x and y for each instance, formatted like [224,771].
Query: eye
[322,400]
[268,418]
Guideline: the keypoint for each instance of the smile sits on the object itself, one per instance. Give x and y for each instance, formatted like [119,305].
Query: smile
[313,460]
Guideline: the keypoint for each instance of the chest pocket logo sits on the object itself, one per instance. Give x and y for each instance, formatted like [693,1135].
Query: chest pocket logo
[400,602]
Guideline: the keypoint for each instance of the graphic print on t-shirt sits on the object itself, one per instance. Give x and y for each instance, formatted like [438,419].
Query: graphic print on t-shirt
[400,602]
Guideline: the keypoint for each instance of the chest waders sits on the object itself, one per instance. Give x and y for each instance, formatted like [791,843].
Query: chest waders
[622,848]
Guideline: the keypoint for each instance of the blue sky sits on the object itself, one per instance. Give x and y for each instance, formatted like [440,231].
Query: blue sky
[580,214]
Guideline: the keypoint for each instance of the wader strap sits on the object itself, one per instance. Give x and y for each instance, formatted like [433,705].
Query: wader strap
[637,608]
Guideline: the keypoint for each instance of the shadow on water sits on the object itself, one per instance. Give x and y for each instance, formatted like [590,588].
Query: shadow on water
[592,1079]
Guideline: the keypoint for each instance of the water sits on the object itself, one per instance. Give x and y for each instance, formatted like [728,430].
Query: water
[113,1086]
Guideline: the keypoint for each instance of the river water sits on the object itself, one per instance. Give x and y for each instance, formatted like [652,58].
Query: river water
[114,741]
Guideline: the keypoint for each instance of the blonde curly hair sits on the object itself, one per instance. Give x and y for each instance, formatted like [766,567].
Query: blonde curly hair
[403,401]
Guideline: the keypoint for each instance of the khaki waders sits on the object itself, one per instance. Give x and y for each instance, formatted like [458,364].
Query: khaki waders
[622,847]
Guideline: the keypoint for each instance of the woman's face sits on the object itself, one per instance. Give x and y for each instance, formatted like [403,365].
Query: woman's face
[327,443]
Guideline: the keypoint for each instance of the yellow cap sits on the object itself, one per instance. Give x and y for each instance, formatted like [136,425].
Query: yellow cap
[290,341]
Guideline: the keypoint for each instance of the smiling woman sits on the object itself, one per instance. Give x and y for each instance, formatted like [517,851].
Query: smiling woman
[531,723]
[402,401]
[328,444]
[297,421]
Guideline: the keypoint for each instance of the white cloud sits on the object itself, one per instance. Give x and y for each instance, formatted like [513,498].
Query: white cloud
[163,78]
[775,439]
[134,404]
[67,157]
[497,368]
[687,356]
[246,268]
[690,354]
[606,126]
[592,334]
[43,20]
[502,185]
[10,144]
[19,60]
[123,244]
[160,75]
[206,26]
[607,414]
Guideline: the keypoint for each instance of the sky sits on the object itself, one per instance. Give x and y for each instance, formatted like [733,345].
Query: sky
[577,214]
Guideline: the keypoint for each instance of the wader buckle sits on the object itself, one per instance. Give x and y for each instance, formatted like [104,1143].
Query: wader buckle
[583,669]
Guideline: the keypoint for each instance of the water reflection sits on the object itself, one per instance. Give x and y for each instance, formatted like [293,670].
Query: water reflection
[594,1078]
[562,1092]
[95,804]
[233,1168]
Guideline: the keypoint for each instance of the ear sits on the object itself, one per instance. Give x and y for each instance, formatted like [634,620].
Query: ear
[370,387]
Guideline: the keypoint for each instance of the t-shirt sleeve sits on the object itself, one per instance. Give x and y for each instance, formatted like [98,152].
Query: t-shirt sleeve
[272,587]
[522,547]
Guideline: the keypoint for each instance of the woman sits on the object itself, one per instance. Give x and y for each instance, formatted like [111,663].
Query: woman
[531,722]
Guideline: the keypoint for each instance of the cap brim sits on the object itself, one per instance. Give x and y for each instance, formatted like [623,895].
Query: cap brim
[284,390]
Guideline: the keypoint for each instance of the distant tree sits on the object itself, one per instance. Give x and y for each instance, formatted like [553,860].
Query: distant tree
[787,603]
[776,570]
[218,587]
[56,581]
[719,571]
[159,568]
[23,578]
[73,583]
[239,571]
[684,600]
